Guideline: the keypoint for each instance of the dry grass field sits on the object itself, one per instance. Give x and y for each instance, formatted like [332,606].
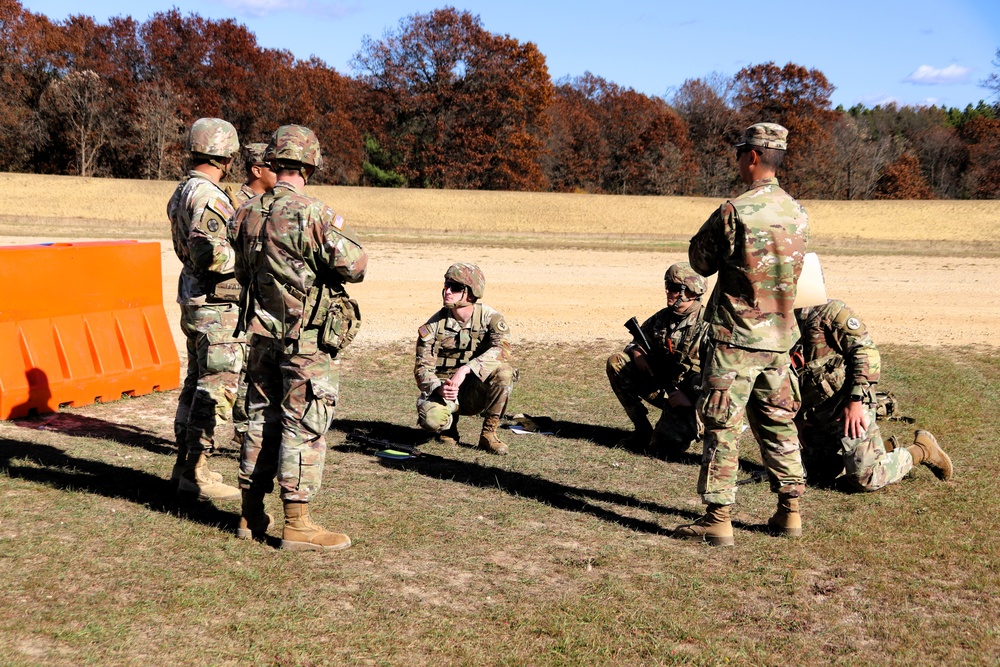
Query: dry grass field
[559,554]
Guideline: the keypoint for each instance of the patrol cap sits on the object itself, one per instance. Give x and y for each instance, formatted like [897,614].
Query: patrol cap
[765,135]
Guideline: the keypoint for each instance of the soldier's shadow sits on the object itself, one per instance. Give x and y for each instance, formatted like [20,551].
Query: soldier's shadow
[518,484]
[90,427]
[45,464]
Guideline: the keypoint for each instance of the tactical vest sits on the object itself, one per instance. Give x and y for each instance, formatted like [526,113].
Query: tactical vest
[448,359]
[823,377]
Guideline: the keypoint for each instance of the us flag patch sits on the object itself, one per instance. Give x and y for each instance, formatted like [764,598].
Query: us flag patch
[338,223]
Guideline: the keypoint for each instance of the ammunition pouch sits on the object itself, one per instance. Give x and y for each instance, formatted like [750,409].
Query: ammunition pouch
[343,321]
[821,379]
[222,288]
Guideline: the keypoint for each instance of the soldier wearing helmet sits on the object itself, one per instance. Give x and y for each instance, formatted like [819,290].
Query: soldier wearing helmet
[207,291]
[463,364]
[838,366]
[294,257]
[260,178]
[668,376]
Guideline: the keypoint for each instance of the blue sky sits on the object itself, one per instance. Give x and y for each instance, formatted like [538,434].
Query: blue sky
[913,52]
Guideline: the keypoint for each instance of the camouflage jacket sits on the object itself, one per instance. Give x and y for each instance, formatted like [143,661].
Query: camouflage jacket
[293,254]
[239,195]
[676,341]
[444,344]
[838,356]
[756,243]
[199,211]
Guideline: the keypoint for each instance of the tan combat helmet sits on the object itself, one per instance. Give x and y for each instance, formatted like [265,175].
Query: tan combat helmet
[294,147]
[681,273]
[213,138]
[469,275]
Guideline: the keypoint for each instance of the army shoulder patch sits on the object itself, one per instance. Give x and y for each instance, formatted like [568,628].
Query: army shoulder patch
[501,325]
[338,223]
[424,331]
[853,323]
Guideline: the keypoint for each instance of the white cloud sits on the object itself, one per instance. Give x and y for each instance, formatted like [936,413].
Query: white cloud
[926,75]
[330,9]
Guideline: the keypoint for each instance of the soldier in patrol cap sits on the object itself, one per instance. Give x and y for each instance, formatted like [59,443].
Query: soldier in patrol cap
[463,364]
[295,256]
[838,366]
[668,376]
[757,244]
[208,293]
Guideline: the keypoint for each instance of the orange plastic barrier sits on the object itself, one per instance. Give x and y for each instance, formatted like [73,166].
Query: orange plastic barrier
[82,322]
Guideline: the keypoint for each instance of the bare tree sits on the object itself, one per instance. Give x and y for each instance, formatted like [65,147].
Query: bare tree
[160,129]
[77,105]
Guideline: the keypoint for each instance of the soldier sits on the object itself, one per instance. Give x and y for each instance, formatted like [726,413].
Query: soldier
[463,364]
[756,242]
[669,377]
[208,293]
[260,178]
[838,366]
[294,256]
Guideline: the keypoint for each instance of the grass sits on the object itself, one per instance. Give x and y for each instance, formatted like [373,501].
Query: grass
[556,555]
[73,207]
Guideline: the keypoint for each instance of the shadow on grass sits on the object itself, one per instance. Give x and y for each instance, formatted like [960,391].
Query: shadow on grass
[91,427]
[518,484]
[44,464]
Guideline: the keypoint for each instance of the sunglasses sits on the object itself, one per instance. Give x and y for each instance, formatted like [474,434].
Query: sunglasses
[675,287]
[454,287]
[740,151]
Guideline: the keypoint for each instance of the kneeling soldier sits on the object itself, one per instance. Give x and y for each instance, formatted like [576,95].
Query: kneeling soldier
[838,366]
[463,364]
[668,376]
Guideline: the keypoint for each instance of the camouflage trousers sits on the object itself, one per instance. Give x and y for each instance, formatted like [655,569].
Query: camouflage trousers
[758,384]
[486,397]
[293,387]
[216,360]
[826,452]
[676,428]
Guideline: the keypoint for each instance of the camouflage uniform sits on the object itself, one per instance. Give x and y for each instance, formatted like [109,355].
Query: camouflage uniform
[840,363]
[207,293]
[294,255]
[443,345]
[756,243]
[676,339]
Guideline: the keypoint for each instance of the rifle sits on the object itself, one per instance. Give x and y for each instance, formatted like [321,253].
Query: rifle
[658,362]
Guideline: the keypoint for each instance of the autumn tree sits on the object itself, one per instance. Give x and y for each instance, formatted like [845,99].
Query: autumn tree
[78,105]
[577,156]
[982,178]
[713,127]
[461,107]
[902,180]
[799,99]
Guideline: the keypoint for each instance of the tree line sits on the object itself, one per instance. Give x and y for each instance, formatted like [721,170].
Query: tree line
[441,102]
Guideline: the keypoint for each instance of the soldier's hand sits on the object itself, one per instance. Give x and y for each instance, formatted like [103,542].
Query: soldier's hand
[855,420]
[641,363]
[678,399]
[450,387]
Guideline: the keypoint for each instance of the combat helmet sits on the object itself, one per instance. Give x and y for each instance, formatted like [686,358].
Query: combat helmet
[213,138]
[294,147]
[469,275]
[254,155]
[682,273]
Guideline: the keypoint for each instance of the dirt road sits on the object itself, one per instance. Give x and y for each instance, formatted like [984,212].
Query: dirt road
[574,296]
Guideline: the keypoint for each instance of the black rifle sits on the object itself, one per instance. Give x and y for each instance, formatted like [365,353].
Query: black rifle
[659,362]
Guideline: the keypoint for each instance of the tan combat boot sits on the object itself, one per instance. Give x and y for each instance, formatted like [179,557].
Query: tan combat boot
[178,470]
[488,438]
[196,481]
[716,527]
[450,435]
[926,450]
[301,534]
[786,521]
[254,521]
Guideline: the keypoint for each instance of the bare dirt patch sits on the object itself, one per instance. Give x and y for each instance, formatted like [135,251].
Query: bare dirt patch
[552,295]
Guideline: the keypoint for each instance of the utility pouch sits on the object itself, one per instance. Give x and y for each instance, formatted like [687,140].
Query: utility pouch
[225,289]
[821,379]
[343,321]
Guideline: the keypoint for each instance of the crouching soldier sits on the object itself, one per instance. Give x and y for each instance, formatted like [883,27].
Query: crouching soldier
[838,366]
[668,376]
[463,364]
